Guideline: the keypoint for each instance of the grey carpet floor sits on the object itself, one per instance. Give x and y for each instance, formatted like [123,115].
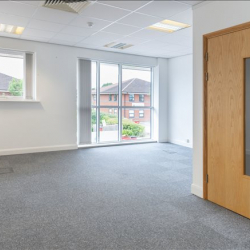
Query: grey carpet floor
[124,197]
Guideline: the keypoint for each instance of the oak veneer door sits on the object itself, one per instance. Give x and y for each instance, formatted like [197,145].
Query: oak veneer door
[227,185]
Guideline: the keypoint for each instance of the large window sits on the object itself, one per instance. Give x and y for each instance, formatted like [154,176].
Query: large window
[16,75]
[122,109]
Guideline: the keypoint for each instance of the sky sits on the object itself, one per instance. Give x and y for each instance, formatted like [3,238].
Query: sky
[12,67]
[109,74]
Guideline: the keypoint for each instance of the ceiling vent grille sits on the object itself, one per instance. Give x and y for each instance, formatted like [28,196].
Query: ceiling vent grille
[118,45]
[75,6]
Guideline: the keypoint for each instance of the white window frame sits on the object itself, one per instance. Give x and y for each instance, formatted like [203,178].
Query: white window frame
[131,113]
[119,108]
[29,90]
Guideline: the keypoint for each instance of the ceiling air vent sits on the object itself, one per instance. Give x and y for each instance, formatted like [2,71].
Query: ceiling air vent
[74,6]
[118,45]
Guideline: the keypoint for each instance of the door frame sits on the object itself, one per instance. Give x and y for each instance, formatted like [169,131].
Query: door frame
[205,47]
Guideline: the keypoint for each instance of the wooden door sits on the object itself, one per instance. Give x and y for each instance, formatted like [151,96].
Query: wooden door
[227,184]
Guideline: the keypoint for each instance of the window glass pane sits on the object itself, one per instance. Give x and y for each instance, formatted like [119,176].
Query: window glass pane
[108,84]
[136,124]
[136,86]
[11,75]
[93,126]
[93,83]
[108,125]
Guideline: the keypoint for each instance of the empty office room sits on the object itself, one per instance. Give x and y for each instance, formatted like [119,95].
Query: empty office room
[125,125]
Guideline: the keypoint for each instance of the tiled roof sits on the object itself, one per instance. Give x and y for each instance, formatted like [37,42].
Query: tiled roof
[4,82]
[134,85]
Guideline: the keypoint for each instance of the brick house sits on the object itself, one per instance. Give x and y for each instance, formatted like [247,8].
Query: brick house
[135,92]
[4,84]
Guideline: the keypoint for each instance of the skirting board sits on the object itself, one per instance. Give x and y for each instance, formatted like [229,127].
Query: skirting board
[17,151]
[181,143]
[197,190]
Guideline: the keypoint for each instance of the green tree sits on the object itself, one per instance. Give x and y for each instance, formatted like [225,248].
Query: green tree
[107,84]
[16,87]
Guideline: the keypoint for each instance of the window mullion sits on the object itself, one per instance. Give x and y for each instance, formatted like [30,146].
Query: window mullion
[98,102]
[120,103]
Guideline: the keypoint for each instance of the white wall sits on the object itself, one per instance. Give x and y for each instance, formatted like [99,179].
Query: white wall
[160,100]
[208,17]
[180,100]
[50,124]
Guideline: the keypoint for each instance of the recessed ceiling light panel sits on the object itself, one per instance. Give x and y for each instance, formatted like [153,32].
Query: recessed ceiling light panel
[168,26]
[12,29]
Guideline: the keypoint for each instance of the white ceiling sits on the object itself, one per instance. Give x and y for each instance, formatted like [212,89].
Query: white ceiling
[120,21]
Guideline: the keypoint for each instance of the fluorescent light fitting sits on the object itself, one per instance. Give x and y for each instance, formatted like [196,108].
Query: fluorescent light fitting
[11,29]
[168,26]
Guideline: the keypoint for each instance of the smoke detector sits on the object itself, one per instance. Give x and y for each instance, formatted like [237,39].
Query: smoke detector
[75,6]
[118,45]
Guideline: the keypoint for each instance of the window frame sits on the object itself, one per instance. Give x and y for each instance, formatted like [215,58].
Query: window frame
[29,86]
[141,98]
[131,99]
[119,108]
[141,116]
[131,111]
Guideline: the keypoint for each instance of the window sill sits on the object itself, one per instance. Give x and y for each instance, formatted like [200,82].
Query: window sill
[18,100]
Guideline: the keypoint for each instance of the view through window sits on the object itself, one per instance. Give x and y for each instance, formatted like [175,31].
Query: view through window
[121,102]
[11,74]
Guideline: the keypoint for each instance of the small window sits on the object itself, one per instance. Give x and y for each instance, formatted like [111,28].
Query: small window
[141,113]
[110,98]
[15,67]
[115,111]
[131,97]
[115,98]
[141,98]
[94,97]
[110,111]
[131,113]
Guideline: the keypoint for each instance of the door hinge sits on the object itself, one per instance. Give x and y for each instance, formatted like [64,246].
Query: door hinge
[206,76]
[206,56]
[207,178]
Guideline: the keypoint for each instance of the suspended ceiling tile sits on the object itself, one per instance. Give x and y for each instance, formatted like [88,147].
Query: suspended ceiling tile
[164,9]
[38,33]
[140,20]
[184,17]
[17,8]
[56,16]
[13,20]
[104,12]
[44,25]
[82,21]
[101,38]
[78,31]
[148,34]
[68,38]
[121,29]
[128,5]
